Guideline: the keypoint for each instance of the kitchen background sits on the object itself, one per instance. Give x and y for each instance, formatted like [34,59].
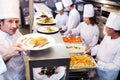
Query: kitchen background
[102,10]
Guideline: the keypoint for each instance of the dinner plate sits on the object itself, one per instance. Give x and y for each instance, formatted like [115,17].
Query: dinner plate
[25,41]
[48,29]
[58,76]
[41,21]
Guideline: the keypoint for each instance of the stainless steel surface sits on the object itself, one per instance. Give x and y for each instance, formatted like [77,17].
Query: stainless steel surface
[57,51]
[56,55]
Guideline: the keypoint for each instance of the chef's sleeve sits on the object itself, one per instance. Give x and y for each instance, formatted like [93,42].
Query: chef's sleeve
[2,65]
[114,65]
[94,50]
[76,31]
[95,38]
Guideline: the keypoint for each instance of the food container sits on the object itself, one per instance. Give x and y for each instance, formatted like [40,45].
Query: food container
[75,48]
[81,66]
[72,39]
[74,44]
[78,61]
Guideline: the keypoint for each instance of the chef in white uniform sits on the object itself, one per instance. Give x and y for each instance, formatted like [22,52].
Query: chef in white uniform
[11,62]
[74,16]
[108,52]
[87,30]
[61,18]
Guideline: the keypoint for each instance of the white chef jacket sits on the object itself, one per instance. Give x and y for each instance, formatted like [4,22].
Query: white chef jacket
[108,53]
[89,33]
[15,66]
[2,66]
[73,20]
[61,20]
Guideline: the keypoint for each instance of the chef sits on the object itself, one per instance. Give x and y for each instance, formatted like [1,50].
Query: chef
[61,18]
[74,16]
[11,61]
[108,51]
[87,30]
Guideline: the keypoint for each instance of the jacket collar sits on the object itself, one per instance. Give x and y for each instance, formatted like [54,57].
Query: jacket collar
[5,35]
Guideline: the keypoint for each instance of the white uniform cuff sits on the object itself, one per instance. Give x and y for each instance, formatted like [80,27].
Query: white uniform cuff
[100,64]
[2,66]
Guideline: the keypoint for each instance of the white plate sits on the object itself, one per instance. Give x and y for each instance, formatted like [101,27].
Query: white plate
[60,70]
[24,40]
[48,29]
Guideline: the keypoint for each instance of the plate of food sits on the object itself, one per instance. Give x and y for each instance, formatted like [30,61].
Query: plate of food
[46,21]
[35,41]
[48,29]
[48,73]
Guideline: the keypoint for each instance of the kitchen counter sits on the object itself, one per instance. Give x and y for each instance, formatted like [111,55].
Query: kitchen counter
[56,55]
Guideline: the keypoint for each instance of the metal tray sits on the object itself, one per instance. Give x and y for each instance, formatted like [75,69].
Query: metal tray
[84,67]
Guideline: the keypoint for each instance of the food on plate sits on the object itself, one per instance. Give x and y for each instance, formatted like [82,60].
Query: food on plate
[38,42]
[75,48]
[72,39]
[46,20]
[49,29]
[35,41]
[81,60]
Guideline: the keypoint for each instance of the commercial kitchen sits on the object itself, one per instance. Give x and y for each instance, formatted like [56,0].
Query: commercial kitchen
[63,56]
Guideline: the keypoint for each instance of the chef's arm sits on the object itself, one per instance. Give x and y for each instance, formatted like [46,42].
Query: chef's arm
[2,65]
[94,39]
[94,50]
[12,51]
[72,23]
[76,31]
[64,27]
[114,65]
[6,57]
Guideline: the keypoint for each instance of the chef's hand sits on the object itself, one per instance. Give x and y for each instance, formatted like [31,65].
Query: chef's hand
[69,31]
[13,50]
[87,50]
[61,31]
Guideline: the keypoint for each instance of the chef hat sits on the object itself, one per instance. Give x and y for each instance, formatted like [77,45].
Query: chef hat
[113,21]
[59,6]
[88,10]
[9,9]
[67,2]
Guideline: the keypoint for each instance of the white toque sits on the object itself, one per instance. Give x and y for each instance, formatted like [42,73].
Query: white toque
[9,9]
[59,6]
[67,2]
[88,10]
[113,21]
